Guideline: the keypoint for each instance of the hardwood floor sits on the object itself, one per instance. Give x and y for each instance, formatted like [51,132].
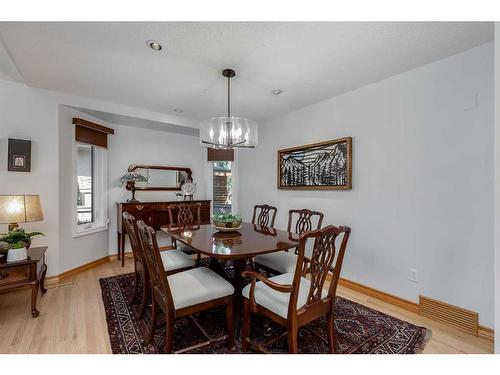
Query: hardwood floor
[72,319]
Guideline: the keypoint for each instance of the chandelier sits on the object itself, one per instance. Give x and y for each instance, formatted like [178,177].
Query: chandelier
[228,132]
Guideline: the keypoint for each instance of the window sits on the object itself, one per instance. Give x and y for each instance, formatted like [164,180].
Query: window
[222,187]
[90,181]
[84,184]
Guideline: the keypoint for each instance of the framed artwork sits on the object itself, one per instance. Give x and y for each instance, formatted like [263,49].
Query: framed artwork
[318,166]
[19,154]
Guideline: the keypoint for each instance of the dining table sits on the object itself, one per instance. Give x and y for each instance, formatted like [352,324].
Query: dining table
[237,246]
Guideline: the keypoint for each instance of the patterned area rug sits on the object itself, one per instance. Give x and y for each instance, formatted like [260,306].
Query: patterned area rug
[360,329]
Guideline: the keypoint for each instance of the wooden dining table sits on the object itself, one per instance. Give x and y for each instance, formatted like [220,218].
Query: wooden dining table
[238,246]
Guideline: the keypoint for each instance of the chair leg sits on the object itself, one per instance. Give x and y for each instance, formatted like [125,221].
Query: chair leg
[152,328]
[247,316]
[332,338]
[229,324]
[198,259]
[134,293]
[169,334]
[145,295]
[292,338]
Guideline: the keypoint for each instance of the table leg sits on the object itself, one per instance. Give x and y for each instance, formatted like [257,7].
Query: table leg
[239,266]
[34,295]
[123,249]
[218,268]
[119,242]
[42,279]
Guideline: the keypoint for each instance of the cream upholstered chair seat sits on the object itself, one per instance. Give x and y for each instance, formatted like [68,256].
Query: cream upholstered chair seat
[299,221]
[281,261]
[275,301]
[196,286]
[175,260]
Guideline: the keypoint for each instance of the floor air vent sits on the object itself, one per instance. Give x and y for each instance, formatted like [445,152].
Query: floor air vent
[457,317]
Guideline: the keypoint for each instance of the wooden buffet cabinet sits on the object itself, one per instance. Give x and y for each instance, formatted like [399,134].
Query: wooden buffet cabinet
[154,214]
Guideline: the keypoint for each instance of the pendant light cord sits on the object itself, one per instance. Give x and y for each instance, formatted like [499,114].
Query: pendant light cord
[228,96]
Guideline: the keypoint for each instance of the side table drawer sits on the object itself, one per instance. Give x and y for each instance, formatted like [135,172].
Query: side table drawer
[14,274]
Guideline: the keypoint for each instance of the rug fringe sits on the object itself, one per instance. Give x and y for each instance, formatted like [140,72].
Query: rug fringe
[419,347]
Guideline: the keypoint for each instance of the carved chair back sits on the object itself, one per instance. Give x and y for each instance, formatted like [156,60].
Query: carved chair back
[185,215]
[131,228]
[156,268]
[264,215]
[304,220]
[324,259]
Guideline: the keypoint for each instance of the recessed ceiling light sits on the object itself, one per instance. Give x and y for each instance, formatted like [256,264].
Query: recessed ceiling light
[277,92]
[153,44]
[178,110]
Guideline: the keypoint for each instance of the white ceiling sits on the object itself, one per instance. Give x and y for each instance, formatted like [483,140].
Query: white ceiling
[310,62]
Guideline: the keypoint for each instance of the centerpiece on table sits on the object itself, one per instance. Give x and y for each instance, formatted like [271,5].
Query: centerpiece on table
[226,222]
[15,243]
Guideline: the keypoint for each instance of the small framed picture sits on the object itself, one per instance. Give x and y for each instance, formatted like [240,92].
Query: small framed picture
[19,154]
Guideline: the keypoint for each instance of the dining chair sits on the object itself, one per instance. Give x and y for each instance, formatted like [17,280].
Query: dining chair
[292,300]
[140,268]
[173,261]
[264,215]
[299,221]
[184,216]
[183,294]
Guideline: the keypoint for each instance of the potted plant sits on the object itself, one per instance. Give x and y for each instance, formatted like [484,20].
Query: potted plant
[16,242]
[227,221]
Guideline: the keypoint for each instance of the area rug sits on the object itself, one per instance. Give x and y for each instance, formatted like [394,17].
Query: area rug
[360,329]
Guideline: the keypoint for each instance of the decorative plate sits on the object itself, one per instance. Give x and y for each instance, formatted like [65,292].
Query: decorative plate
[188,188]
[226,229]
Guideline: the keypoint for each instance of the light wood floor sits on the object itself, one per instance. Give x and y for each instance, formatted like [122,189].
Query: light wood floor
[72,319]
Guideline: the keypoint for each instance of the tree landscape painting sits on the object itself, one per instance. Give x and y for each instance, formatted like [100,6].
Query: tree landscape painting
[318,166]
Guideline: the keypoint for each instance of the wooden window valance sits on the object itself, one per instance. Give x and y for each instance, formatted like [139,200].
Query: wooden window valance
[220,155]
[91,133]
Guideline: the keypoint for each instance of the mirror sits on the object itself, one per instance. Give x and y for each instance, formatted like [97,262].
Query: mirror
[159,177]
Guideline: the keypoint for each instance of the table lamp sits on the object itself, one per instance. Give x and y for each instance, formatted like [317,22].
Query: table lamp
[130,179]
[16,209]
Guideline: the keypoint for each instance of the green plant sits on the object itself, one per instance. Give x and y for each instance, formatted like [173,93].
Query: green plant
[227,218]
[18,238]
[17,245]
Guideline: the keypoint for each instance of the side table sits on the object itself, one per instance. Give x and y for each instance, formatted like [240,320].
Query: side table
[29,272]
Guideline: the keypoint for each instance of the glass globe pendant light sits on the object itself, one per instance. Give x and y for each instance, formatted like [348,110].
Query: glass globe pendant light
[228,132]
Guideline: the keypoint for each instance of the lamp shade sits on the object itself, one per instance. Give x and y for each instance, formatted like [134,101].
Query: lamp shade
[20,209]
[133,176]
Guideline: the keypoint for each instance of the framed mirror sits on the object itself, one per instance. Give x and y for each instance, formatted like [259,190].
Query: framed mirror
[159,177]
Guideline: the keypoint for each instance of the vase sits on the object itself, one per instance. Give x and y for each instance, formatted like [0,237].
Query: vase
[16,255]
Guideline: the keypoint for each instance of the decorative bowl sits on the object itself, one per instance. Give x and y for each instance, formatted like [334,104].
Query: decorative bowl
[226,229]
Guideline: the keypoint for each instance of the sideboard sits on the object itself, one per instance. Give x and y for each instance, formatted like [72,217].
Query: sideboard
[154,214]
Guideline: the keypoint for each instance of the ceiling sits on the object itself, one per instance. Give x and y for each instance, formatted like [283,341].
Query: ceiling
[310,62]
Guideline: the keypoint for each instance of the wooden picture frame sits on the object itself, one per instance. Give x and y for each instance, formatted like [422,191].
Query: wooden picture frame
[331,163]
[19,155]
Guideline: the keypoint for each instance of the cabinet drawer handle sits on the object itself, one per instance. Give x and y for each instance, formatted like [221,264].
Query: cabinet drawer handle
[139,207]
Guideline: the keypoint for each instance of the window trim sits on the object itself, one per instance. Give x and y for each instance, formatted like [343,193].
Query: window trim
[99,196]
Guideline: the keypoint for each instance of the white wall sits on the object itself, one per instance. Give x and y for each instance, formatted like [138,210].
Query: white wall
[130,145]
[28,114]
[35,114]
[422,173]
[497,187]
